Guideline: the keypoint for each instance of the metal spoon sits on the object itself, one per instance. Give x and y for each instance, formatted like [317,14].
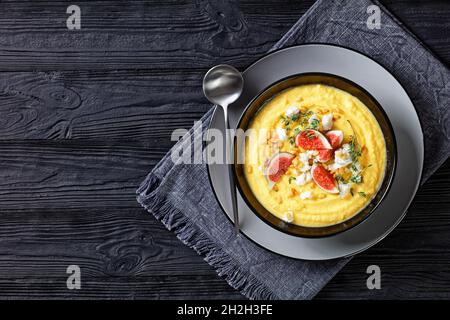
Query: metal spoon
[222,85]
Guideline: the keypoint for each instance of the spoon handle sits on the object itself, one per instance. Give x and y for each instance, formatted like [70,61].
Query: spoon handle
[229,154]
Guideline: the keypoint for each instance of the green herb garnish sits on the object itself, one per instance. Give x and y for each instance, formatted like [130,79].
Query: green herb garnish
[355,149]
[291,178]
[362,194]
[303,118]
[295,117]
[356,179]
[314,124]
[351,192]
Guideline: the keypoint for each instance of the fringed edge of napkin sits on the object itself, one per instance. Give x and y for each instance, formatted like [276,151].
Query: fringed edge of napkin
[174,220]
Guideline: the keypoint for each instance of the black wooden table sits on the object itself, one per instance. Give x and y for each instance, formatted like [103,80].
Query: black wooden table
[85,114]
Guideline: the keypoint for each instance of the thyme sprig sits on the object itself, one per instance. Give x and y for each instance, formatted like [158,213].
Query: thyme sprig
[355,148]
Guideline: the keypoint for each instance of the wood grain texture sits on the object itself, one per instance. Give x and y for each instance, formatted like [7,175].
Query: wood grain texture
[97,105]
[139,34]
[85,115]
[121,252]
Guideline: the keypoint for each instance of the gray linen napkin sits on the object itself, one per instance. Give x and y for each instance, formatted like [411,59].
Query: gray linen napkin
[181,197]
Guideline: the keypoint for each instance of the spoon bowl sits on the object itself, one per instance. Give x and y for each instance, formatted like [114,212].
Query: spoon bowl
[222,85]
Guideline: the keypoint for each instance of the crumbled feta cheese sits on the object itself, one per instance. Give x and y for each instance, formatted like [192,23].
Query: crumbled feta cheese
[305,195]
[288,216]
[342,157]
[327,121]
[303,179]
[281,133]
[291,111]
[304,158]
[313,118]
[305,168]
[344,189]
[334,167]
[346,147]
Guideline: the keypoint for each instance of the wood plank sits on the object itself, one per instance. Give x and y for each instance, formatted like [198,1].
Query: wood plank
[122,253]
[105,241]
[73,173]
[133,287]
[138,34]
[127,104]
[170,34]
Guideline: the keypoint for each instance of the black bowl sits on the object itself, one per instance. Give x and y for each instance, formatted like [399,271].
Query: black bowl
[345,85]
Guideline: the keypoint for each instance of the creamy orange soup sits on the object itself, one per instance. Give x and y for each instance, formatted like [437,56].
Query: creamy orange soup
[319,157]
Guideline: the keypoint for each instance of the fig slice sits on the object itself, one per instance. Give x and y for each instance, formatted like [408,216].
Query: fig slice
[335,137]
[312,140]
[324,179]
[325,155]
[277,167]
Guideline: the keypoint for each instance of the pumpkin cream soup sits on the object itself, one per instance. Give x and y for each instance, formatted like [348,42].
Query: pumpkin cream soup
[319,156]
